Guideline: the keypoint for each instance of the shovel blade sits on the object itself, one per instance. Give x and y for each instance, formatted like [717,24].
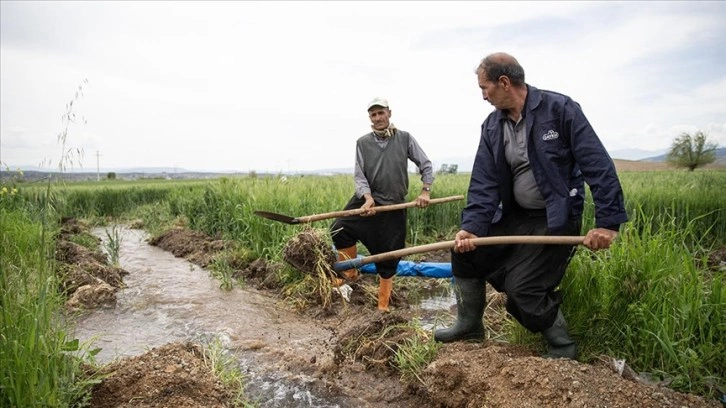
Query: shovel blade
[277,217]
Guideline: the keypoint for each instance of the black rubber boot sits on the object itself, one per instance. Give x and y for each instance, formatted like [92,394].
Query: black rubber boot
[470,299]
[559,343]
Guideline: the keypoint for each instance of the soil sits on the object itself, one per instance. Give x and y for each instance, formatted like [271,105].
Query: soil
[86,278]
[364,340]
[173,375]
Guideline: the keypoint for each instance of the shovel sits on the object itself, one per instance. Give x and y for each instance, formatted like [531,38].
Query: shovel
[499,240]
[345,213]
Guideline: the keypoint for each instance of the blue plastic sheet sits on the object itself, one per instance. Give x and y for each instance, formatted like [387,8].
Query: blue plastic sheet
[422,269]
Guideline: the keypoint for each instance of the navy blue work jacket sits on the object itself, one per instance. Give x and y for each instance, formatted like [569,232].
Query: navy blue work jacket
[563,150]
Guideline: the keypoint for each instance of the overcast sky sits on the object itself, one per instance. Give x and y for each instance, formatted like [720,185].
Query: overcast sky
[279,86]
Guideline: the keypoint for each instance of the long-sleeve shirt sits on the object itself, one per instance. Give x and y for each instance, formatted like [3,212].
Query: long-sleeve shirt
[367,173]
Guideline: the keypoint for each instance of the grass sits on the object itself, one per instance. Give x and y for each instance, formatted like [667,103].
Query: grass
[649,300]
[38,356]
[415,353]
[85,240]
[112,245]
[226,369]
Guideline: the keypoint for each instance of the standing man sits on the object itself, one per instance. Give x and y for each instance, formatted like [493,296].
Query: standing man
[381,178]
[535,153]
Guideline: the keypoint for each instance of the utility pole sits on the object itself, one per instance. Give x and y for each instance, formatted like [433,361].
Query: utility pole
[98,168]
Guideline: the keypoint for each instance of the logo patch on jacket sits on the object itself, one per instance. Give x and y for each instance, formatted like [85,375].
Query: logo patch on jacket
[551,135]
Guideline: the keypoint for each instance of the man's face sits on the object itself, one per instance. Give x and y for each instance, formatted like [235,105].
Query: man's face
[491,91]
[380,117]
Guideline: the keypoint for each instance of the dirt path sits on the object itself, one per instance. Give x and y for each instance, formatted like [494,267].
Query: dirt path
[315,347]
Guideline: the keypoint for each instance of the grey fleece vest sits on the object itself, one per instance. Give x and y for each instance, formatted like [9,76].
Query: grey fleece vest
[386,169]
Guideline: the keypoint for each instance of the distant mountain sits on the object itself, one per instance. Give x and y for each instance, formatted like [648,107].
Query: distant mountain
[155,170]
[635,154]
[76,169]
[720,157]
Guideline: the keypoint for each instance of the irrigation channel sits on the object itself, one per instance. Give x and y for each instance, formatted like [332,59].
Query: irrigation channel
[168,299]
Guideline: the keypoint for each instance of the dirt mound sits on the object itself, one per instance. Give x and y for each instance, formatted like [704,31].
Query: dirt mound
[260,273]
[491,374]
[173,375]
[194,246]
[85,275]
[499,375]
[72,226]
[372,339]
[84,266]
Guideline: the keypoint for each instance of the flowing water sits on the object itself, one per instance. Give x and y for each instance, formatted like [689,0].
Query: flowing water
[168,299]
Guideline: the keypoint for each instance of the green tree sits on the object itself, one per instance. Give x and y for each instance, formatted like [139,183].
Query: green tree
[692,151]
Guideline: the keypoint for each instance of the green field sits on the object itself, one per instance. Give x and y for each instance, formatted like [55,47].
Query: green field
[652,299]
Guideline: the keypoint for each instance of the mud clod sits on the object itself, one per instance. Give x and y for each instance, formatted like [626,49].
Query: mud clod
[309,252]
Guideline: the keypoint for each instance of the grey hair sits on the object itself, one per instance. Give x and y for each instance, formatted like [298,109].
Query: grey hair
[498,64]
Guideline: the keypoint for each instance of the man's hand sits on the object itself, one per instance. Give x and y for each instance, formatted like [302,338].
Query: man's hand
[423,199]
[463,241]
[599,238]
[368,207]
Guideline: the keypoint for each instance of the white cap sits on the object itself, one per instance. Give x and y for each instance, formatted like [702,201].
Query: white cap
[378,102]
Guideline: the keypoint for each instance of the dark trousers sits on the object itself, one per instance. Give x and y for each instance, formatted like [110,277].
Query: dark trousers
[383,232]
[528,274]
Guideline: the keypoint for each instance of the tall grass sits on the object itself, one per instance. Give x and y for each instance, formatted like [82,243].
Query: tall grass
[651,301]
[228,207]
[36,367]
[40,362]
[693,201]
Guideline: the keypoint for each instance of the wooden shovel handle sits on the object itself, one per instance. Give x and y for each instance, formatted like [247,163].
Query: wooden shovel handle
[500,240]
[380,208]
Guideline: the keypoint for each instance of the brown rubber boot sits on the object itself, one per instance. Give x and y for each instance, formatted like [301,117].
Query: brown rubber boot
[350,274]
[384,293]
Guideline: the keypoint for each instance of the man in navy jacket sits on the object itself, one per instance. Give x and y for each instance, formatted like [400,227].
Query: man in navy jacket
[536,151]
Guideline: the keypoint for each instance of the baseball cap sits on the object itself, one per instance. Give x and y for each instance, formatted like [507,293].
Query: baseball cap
[378,102]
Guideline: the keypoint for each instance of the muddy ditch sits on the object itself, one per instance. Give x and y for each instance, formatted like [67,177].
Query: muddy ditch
[340,354]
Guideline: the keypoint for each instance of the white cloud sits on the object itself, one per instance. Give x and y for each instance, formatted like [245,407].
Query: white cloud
[283,85]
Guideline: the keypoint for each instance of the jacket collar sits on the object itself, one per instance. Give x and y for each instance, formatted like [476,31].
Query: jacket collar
[534,98]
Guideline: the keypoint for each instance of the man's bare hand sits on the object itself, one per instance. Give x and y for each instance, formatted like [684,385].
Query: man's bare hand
[423,199]
[368,207]
[599,238]
[463,241]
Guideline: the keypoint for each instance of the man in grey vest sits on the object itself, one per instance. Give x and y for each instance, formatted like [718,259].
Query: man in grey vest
[381,178]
